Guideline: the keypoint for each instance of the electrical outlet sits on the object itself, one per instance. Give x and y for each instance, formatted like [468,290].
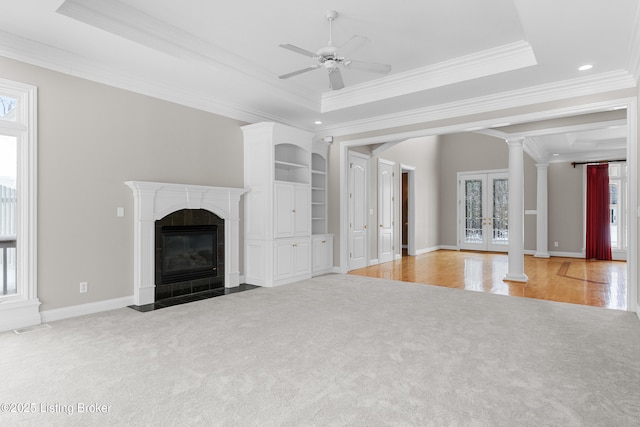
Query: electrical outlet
[555,244]
[84,287]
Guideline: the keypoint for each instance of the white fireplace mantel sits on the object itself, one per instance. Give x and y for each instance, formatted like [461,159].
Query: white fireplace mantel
[154,201]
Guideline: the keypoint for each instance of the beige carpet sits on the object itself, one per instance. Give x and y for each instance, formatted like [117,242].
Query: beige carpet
[335,350]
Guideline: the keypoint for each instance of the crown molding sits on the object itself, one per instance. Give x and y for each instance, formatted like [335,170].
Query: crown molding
[488,62]
[55,59]
[535,150]
[132,24]
[633,62]
[587,85]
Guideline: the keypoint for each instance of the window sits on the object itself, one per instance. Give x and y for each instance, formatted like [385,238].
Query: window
[8,208]
[617,205]
[8,108]
[19,304]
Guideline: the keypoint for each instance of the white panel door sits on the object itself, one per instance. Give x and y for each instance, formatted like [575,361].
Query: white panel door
[358,219]
[484,206]
[385,211]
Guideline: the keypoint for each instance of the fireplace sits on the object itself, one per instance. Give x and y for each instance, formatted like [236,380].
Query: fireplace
[189,256]
[154,202]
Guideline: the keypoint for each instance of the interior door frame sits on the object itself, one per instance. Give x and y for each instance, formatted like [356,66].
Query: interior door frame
[488,246]
[411,208]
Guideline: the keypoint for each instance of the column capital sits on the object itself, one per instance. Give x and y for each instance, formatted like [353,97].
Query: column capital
[515,142]
[542,166]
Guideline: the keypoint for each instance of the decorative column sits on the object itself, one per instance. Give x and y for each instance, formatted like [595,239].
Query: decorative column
[542,213]
[516,212]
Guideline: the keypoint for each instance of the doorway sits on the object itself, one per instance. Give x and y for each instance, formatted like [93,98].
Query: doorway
[408,210]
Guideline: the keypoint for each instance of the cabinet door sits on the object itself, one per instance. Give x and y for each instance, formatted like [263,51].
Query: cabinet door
[319,253]
[302,214]
[284,210]
[284,259]
[322,253]
[302,262]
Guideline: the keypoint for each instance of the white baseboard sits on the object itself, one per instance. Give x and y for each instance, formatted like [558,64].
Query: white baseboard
[84,309]
[567,254]
[19,314]
[449,248]
[427,250]
[373,262]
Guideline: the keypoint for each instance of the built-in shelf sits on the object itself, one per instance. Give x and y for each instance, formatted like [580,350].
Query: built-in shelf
[288,165]
[291,163]
[318,193]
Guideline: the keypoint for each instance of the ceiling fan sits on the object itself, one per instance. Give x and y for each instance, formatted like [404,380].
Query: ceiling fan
[329,58]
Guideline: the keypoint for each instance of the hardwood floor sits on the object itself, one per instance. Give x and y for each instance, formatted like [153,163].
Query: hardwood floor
[572,280]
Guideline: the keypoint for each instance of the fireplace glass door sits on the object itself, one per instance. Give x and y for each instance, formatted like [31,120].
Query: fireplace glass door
[188,253]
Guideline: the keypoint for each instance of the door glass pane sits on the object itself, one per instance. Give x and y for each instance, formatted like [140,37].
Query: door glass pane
[500,211]
[473,211]
[8,202]
[8,108]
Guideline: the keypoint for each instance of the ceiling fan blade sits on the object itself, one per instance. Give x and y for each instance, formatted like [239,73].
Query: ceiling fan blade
[298,50]
[295,73]
[354,43]
[335,79]
[372,67]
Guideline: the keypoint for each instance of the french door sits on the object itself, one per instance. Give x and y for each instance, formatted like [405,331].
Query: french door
[483,201]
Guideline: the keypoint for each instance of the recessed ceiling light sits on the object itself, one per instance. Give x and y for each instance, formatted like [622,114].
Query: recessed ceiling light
[556,154]
[585,67]
[317,122]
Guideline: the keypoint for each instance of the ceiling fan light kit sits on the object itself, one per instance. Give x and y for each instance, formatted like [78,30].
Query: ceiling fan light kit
[329,58]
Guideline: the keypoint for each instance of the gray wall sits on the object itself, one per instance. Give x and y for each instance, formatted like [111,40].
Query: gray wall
[566,207]
[467,152]
[91,139]
[423,154]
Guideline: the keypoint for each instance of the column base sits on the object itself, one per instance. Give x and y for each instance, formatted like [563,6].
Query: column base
[516,277]
[541,255]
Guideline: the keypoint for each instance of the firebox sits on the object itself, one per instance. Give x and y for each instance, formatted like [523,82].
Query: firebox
[189,253]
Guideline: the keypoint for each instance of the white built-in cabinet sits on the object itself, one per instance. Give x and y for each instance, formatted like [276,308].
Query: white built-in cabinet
[322,250]
[285,210]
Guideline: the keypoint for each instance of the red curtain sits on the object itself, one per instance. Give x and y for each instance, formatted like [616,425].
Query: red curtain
[598,221]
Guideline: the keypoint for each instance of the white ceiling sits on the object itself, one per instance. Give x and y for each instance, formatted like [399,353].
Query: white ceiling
[224,57]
